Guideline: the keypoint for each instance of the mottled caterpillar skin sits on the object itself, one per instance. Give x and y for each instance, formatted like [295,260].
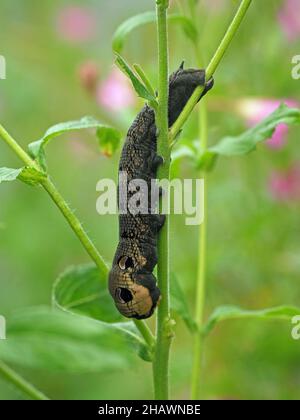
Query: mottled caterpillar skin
[131,281]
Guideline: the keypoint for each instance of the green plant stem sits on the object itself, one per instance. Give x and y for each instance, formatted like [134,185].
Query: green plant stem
[211,68]
[75,225]
[89,246]
[199,309]
[202,248]
[203,135]
[11,142]
[144,79]
[20,383]
[164,324]
[72,220]
[59,201]
[231,31]
[145,333]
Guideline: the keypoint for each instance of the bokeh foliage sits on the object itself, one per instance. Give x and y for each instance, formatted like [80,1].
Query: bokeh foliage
[253,246]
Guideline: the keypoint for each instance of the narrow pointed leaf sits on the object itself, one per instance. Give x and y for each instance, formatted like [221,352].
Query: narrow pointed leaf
[28,175]
[223,313]
[246,142]
[36,149]
[139,87]
[142,19]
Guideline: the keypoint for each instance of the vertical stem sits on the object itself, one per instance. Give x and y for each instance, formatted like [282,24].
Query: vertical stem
[201,276]
[163,328]
[25,386]
[203,134]
[196,378]
[145,332]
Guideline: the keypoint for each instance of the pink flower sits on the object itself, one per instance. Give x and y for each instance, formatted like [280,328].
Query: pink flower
[289,19]
[76,24]
[285,185]
[255,110]
[115,93]
[88,73]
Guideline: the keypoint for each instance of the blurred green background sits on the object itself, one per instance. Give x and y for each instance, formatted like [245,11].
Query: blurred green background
[59,67]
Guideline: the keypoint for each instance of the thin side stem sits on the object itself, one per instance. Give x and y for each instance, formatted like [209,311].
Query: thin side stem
[163,328]
[26,387]
[59,201]
[75,225]
[201,276]
[17,148]
[231,31]
[145,332]
[211,68]
[72,221]
[196,380]
[199,310]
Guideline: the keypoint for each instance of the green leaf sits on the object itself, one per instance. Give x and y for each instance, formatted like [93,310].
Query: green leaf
[180,305]
[142,19]
[183,149]
[36,149]
[206,161]
[139,87]
[128,26]
[9,174]
[144,78]
[247,141]
[28,175]
[83,290]
[233,312]
[109,140]
[187,25]
[142,75]
[54,340]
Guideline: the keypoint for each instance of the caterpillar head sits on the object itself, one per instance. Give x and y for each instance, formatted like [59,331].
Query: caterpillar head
[134,290]
[182,84]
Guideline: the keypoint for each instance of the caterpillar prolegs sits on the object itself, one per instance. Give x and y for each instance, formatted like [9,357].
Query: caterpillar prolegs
[131,281]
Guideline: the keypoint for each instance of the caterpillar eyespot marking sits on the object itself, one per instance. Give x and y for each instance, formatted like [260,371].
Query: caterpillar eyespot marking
[132,284]
[126,262]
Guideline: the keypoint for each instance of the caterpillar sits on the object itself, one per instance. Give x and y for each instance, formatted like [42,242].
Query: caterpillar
[132,284]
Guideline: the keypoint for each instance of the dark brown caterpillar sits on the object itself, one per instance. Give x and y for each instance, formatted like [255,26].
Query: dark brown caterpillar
[131,281]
